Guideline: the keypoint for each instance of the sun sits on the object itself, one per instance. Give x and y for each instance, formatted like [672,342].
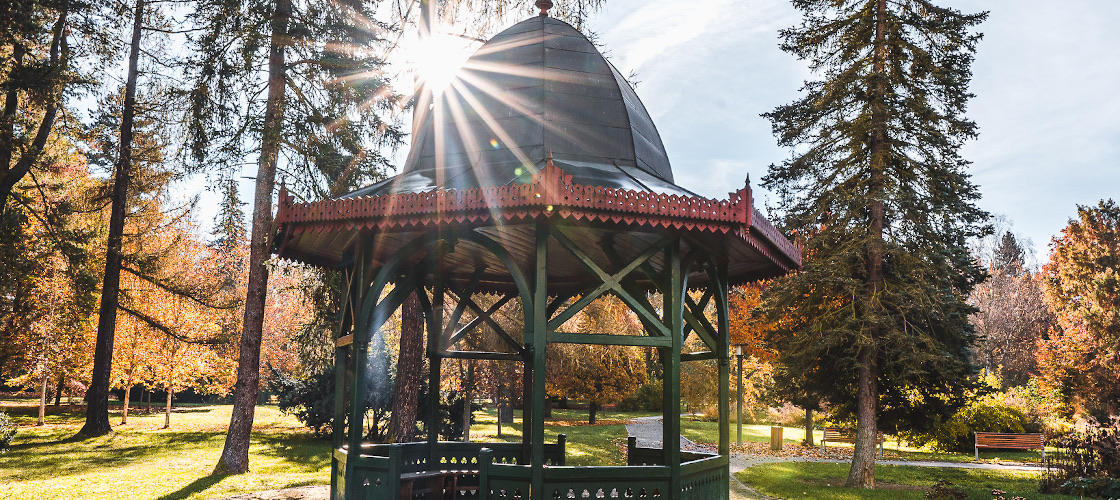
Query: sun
[436,59]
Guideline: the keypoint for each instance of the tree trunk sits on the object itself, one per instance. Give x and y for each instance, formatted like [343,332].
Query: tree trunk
[124,404]
[410,364]
[235,453]
[468,396]
[58,389]
[862,473]
[594,406]
[97,411]
[809,427]
[167,409]
[43,402]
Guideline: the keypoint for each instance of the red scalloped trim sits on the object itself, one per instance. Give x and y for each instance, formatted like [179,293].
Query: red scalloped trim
[551,193]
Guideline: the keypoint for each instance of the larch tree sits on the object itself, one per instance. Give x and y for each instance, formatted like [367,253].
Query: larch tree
[877,187]
[319,123]
[1011,316]
[43,48]
[1081,284]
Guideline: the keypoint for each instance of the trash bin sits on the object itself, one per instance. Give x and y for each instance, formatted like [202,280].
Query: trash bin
[776,438]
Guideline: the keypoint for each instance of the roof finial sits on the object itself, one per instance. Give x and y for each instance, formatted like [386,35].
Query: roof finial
[544,5]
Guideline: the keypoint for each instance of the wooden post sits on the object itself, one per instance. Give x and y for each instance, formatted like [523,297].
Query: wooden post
[671,359]
[532,417]
[722,340]
[739,396]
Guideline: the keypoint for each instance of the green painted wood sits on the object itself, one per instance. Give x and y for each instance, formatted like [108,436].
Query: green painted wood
[674,321]
[610,281]
[739,401]
[607,339]
[479,319]
[539,330]
[524,288]
[485,315]
[698,356]
[460,307]
[495,356]
[721,482]
[434,332]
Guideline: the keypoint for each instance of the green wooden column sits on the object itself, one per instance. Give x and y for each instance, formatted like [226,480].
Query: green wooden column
[434,324]
[355,281]
[534,415]
[359,352]
[671,359]
[723,341]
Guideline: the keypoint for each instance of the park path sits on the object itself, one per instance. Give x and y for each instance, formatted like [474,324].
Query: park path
[649,432]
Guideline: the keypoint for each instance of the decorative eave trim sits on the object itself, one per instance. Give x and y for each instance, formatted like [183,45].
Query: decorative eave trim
[549,193]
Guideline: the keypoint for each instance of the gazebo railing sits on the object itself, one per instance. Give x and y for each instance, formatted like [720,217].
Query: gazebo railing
[703,476]
[379,467]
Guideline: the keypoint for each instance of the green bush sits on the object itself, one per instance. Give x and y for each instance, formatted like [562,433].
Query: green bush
[1093,487]
[956,434]
[7,431]
[647,398]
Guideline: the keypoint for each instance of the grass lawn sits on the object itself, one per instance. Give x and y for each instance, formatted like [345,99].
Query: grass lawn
[824,480]
[586,444]
[708,432]
[141,460]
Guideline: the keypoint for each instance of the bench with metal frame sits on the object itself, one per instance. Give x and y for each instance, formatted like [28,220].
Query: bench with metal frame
[839,435]
[1012,441]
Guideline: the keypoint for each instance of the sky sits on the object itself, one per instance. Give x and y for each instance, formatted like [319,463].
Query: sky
[1046,78]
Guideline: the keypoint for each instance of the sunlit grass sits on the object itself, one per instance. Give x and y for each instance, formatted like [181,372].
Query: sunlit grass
[586,444]
[708,433]
[141,460]
[825,480]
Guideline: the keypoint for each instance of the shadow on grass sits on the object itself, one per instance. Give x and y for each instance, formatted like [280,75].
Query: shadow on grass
[73,454]
[197,486]
[304,452]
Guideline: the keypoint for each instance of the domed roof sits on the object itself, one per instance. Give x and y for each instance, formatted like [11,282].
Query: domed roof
[537,89]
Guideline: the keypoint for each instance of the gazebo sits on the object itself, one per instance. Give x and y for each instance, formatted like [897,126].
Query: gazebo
[537,179]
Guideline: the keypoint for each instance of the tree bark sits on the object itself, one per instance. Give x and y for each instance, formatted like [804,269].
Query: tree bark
[127,396]
[43,402]
[97,411]
[468,396]
[167,409]
[235,453]
[809,427]
[862,473]
[410,364]
[58,389]
[593,407]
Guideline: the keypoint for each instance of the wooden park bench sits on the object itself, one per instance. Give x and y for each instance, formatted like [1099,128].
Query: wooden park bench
[839,435]
[1009,441]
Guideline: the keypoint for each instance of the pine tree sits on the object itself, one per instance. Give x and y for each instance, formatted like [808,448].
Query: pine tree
[879,191]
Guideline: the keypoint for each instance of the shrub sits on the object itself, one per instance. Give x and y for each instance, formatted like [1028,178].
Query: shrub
[787,415]
[311,399]
[646,398]
[1093,487]
[956,434]
[7,431]
[1085,463]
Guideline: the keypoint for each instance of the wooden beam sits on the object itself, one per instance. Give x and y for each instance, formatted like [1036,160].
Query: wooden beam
[607,339]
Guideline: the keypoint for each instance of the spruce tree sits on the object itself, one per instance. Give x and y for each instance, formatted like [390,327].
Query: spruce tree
[876,187]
